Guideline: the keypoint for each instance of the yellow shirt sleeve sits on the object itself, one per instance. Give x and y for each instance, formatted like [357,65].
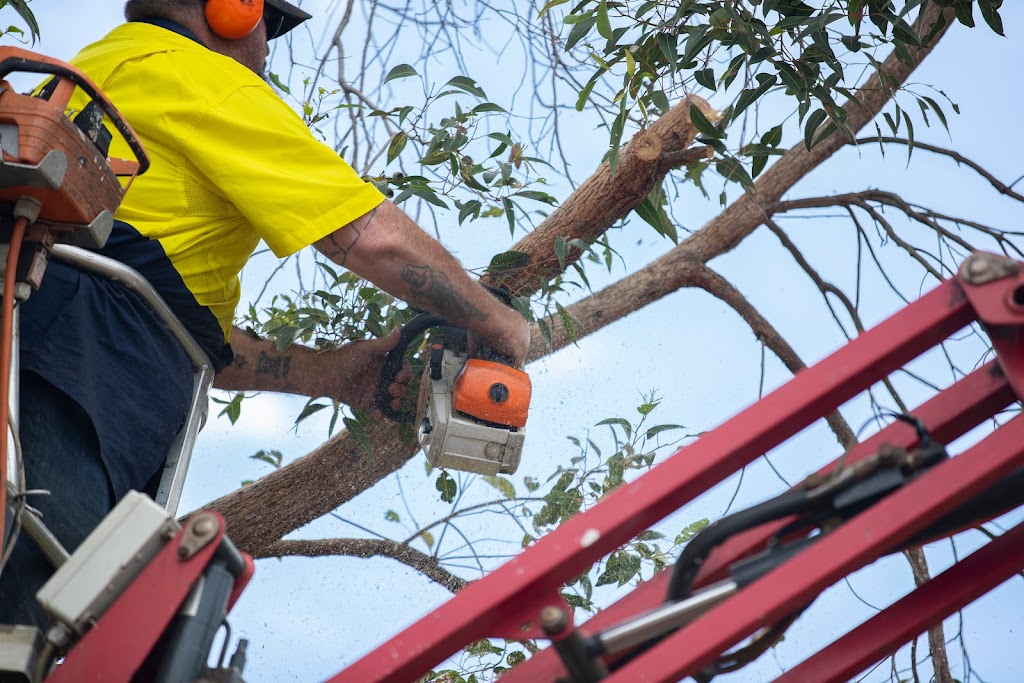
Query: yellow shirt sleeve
[289,186]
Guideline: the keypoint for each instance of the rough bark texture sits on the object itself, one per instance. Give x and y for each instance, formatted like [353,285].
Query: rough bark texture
[428,565]
[604,198]
[261,513]
[286,499]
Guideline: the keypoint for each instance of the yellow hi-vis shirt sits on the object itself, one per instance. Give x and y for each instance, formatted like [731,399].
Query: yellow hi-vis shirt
[231,162]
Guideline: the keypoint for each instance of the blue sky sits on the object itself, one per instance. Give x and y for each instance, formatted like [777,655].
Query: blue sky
[307,618]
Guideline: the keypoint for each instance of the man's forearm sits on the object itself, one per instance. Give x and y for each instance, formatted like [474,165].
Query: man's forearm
[388,249]
[259,366]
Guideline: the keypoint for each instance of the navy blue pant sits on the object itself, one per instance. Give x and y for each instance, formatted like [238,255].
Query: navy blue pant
[62,455]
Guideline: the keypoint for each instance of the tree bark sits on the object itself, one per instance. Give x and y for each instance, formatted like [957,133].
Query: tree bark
[605,198]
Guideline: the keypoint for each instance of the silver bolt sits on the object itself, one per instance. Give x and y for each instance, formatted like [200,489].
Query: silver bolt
[553,620]
[204,525]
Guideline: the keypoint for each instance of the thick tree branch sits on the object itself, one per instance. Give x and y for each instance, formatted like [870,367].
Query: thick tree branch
[604,198]
[368,547]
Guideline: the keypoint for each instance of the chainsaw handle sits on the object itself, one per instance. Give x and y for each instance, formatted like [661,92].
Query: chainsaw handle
[18,60]
[396,358]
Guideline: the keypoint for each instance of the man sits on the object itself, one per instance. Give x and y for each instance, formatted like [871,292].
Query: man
[104,385]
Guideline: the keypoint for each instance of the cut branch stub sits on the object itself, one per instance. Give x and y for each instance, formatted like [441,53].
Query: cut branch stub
[605,198]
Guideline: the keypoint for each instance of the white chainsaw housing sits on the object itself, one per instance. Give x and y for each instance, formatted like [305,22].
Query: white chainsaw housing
[455,441]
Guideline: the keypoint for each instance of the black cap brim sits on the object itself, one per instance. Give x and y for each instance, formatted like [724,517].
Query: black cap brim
[283,15]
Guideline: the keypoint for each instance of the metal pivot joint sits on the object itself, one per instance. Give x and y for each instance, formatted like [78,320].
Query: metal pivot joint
[200,530]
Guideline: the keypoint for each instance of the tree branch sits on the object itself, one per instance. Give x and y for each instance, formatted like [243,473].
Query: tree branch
[425,564]
[1001,187]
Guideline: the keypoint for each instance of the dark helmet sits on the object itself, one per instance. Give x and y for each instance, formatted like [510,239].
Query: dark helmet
[281,17]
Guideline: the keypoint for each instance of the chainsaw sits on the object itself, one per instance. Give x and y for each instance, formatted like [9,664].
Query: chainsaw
[471,412]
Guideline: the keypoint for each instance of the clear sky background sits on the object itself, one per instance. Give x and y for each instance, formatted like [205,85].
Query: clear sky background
[307,618]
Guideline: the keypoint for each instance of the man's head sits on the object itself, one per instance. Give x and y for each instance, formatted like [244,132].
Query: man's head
[238,29]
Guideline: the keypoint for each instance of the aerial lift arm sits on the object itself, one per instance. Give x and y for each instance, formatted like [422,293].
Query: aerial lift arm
[521,598]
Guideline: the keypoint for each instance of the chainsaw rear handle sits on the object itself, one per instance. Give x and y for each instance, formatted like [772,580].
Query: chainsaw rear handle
[396,356]
[13,59]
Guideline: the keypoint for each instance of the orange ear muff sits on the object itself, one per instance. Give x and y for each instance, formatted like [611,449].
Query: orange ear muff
[233,19]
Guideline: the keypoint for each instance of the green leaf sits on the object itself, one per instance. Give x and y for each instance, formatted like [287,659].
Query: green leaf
[272,458]
[646,408]
[514,658]
[428,538]
[506,487]
[658,429]
[233,409]
[310,409]
[550,4]
[732,169]
[604,27]
[392,516]
[692,530]
[397,145]
[276,80]
[624,424]
[702,124]
[357,428]
[813,121]
[619,569]
[706,77]
[536,196]
[467,84]
[400,71]
[581,101]
[508,261]
[447,486]
[488,107]
[579,32]
[990,12]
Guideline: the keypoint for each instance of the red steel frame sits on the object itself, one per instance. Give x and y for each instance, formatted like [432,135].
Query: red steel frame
[115,648]
[507,602]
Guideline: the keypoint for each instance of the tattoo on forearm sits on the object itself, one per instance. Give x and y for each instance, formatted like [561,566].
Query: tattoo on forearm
[338,248]
[433,289]
[240,361]
[273,366]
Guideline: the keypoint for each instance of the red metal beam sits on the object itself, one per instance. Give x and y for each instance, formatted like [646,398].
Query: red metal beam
[860,541]
[520,586]
[115,648]
[948,416]
[885,632]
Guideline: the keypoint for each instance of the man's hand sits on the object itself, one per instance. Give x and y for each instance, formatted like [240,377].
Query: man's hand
[507,335]
[356,384]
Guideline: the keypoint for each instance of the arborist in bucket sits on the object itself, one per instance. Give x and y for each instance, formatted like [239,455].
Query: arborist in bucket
[104,385]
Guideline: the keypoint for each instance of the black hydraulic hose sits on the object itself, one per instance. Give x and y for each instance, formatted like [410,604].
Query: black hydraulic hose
[697,550]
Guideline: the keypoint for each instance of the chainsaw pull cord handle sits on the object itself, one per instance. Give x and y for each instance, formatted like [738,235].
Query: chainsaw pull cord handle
[396,356]
[24,61]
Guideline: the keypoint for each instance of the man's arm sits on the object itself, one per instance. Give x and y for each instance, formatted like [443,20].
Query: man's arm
[348,374]
[387,248]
